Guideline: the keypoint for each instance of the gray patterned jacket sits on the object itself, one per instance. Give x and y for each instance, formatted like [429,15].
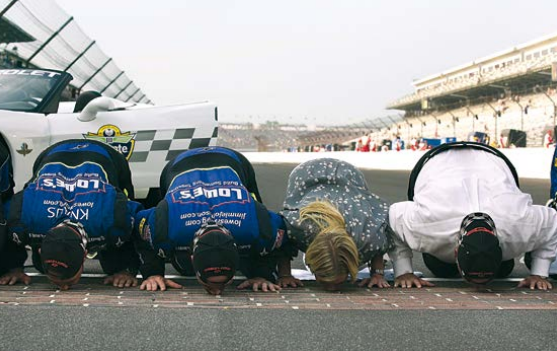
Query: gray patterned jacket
[342,184]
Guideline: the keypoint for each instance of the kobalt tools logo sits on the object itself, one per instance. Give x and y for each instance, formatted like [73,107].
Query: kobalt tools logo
[113,136]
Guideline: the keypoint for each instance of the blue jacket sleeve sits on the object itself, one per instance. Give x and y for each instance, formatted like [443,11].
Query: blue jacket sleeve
[149,262]
[263,258]
[276,238]
[553,174]
[12,257]
[134,207]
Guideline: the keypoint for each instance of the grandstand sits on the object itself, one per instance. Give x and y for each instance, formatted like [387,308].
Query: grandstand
[39,34]
[511,90]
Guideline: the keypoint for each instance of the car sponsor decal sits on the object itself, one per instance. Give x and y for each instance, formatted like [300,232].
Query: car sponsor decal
[113,136]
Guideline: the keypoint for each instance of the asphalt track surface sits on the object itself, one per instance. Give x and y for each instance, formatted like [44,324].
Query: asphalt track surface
[453,315]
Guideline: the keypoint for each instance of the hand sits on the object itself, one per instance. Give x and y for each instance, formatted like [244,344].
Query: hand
[155,282]
[376,279]
[535,281]
[256,283]
[14,276]
[121,280]
[409,279]
[289,281]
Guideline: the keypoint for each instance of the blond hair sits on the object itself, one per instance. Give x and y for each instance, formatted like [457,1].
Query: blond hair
[332,252]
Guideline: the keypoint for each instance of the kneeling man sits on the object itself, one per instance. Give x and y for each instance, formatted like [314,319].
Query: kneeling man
[76,205]
[467,216]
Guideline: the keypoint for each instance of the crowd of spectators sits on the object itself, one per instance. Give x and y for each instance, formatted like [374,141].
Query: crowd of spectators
[262,137]
[548,139]
[397,143]
[10,61]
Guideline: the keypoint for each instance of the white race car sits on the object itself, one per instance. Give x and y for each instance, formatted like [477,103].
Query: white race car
[32,117]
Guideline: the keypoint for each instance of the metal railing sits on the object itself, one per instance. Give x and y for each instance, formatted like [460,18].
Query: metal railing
[61,44]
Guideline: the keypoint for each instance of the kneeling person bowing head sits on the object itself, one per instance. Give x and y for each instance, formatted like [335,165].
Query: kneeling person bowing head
[62,254]
[215,258]
[478,255]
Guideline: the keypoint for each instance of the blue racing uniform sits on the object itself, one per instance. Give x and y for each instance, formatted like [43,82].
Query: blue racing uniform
[213,183]
[553,175]
[9,253]
[79,180]
[553,204]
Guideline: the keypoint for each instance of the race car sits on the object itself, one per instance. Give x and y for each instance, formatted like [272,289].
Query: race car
[32,117]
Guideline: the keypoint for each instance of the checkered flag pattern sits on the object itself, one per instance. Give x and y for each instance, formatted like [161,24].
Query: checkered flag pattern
[166,144]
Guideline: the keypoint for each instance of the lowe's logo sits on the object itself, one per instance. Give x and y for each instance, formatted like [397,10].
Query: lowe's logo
[235,193]
[69,188]
[204,195]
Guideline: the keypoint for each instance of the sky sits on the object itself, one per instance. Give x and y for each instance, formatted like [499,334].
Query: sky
[301,61]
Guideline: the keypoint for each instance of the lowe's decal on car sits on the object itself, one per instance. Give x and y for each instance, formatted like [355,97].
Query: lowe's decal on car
[111,135]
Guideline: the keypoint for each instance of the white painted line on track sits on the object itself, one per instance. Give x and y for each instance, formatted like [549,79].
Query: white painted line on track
[240,277]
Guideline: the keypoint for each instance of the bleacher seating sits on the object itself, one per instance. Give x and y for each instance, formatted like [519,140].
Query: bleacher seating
[515,68]
[532,113]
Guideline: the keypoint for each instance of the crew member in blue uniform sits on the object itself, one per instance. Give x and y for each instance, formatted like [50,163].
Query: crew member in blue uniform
[553,178]
[553,204]
[77,204]
[210,223]
[9,253]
